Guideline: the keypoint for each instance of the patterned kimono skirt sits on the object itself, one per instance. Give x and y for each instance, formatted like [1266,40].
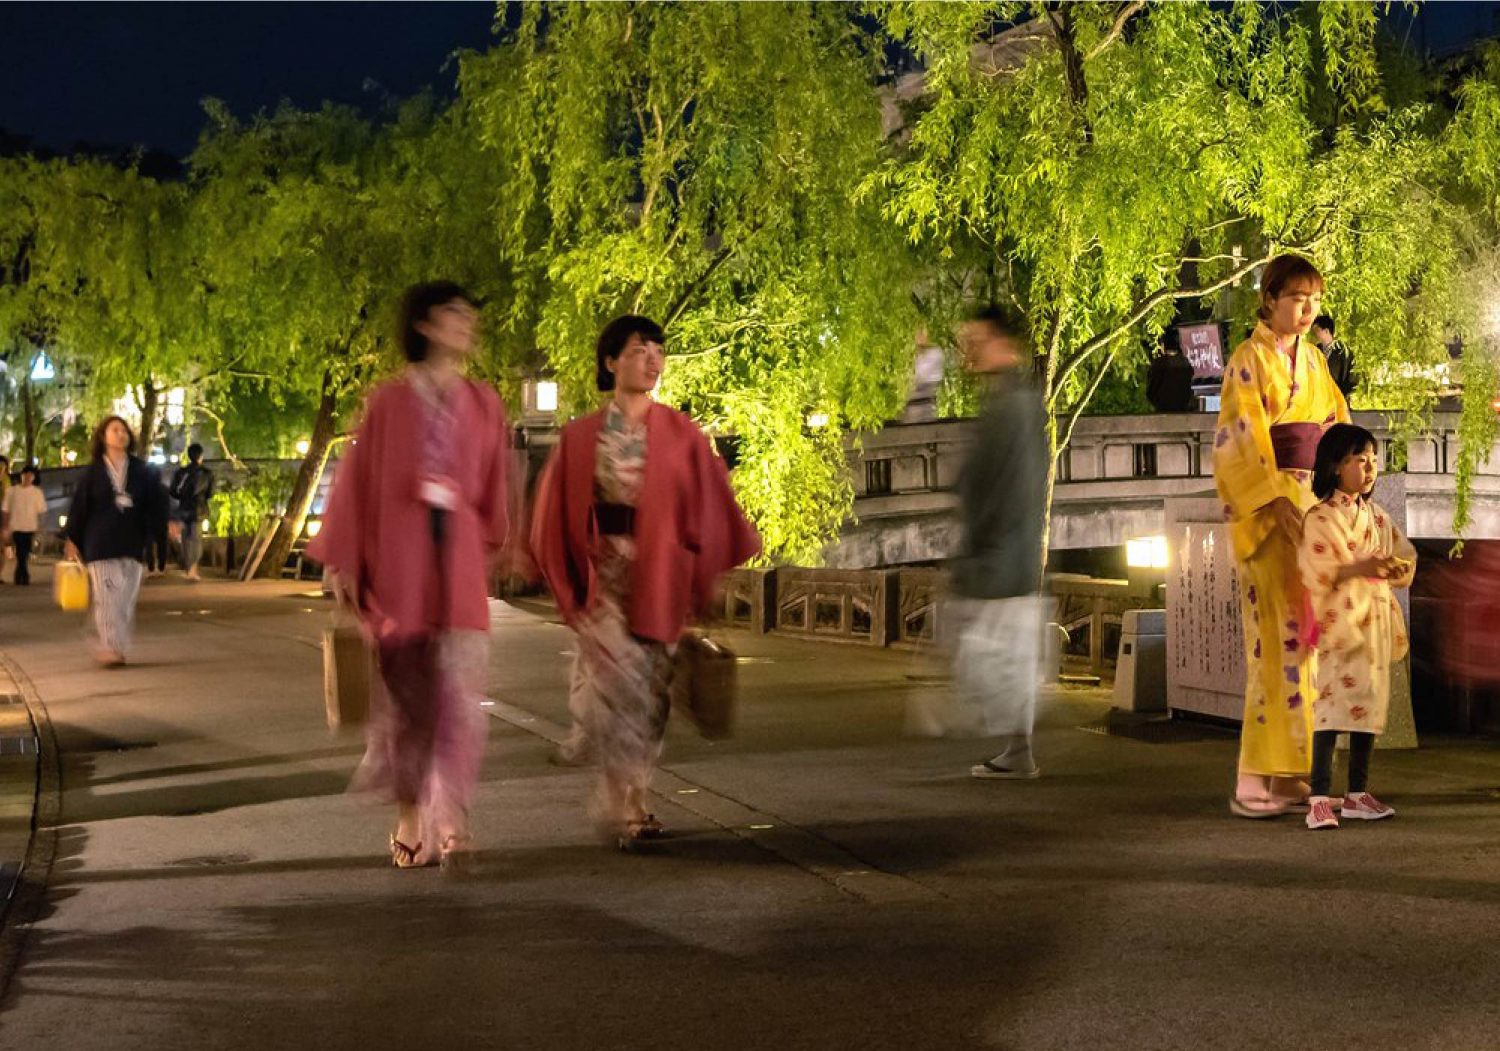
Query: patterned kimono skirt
[426,735]
[621,682]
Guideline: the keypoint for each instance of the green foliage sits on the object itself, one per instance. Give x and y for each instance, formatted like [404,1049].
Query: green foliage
[241,503]
[1100,177]
[706,177]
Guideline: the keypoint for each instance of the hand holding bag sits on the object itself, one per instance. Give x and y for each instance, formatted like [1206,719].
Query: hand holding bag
[70,587]
[348,669]
[704,683]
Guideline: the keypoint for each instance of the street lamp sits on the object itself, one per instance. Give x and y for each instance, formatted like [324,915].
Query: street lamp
[302,446]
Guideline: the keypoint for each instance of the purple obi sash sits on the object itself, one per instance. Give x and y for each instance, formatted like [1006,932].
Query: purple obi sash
[1296,445]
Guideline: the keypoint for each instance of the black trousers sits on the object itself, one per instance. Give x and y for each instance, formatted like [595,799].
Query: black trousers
[23,556]
[1360,747]
[157,550]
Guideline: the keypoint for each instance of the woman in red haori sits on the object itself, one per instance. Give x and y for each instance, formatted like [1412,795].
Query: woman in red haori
[633,524]
[417,516]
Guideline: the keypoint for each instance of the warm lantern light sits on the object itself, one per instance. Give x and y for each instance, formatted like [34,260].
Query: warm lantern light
[546,396]
[302,446]
[1147,552]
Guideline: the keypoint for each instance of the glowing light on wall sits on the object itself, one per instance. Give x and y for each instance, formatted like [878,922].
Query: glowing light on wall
[1147,552]
[546,396]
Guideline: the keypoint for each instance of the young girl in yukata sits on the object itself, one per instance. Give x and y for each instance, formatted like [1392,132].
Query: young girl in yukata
[1352,556]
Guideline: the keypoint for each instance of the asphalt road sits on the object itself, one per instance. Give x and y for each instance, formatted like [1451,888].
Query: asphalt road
[831,884]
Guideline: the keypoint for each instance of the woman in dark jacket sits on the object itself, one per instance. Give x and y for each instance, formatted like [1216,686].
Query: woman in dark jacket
[118,505]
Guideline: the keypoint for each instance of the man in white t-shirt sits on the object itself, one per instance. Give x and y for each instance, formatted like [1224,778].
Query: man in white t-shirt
[24,507]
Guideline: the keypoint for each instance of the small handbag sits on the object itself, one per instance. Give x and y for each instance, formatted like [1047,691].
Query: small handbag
[704,683]
[70,587]
[347,676]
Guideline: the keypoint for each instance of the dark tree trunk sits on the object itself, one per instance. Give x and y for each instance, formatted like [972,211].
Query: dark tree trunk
[306,486]
[150,402]
[28,400]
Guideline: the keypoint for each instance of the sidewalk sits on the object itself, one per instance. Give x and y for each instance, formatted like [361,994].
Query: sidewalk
[831,885]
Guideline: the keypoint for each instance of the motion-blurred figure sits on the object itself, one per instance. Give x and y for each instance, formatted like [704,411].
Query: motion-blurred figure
[417,516]
[996,612]
[118,506]
[633,525]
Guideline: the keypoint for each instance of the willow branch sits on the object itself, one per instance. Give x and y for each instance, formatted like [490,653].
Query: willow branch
[223,441]
[1125,15]
[697,286]
[1149,304]
[1083,403]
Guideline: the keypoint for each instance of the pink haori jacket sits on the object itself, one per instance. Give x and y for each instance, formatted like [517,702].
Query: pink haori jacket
[688,529]
[377,532]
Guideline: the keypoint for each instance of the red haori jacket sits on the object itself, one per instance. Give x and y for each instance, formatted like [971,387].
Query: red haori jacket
[377,532]
[688,528]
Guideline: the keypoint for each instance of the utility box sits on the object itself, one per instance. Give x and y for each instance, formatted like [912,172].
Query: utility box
[1141,670]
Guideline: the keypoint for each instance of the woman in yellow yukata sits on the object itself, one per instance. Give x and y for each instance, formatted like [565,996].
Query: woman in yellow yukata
[1278,399]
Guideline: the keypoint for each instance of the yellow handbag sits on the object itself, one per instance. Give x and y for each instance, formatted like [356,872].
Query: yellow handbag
[70,587]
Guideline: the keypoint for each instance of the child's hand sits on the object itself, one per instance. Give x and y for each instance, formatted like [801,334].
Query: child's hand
[1366,568]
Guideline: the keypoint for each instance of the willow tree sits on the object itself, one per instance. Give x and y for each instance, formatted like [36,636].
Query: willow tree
[698,163]
[311,224]
[1101,164]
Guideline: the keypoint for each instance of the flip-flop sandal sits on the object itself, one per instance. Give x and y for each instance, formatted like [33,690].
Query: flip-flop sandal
[404,857]
[1241,808]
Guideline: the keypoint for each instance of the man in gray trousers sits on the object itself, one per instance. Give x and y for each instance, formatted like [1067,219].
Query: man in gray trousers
[996,611]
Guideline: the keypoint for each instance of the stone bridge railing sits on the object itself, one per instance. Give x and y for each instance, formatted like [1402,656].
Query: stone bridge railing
[1112,485]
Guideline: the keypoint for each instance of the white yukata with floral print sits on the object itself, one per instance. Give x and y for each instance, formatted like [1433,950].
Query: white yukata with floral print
[1361,631]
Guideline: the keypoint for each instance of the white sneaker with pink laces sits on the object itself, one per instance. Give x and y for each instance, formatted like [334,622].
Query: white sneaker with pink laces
[1365,807]
[1320,813]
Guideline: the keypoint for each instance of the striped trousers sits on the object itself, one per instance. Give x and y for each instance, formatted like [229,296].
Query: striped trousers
[115,584]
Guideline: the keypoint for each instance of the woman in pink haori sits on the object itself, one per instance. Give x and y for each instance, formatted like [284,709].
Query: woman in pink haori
[634,523]
[417,516]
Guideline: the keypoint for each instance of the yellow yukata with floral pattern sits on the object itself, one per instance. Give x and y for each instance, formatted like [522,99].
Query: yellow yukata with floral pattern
[1361,631]
[1262,388]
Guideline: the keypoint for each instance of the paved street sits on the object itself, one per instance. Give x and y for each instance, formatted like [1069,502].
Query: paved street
[831,885]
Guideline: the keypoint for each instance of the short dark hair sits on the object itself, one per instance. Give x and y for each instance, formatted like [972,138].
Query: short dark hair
[612,343]
[195,452]
[416,304]
[33,470]
[1281,274]
[96,447]
[1339,441]
[1324,322]
[1002,319]
[1170,340]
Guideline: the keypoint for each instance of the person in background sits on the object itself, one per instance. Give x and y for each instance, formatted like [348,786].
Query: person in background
[118,505]
[927,378]
[996,611]
[1277,401]
[5,549]
[634,523]
[158,546]
[24,507]
[1352,556]
[1337,353]
[192,487]
[417,518]
[1169,380]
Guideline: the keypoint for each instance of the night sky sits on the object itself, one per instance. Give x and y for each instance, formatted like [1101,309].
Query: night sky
[134,73]
[128,74]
